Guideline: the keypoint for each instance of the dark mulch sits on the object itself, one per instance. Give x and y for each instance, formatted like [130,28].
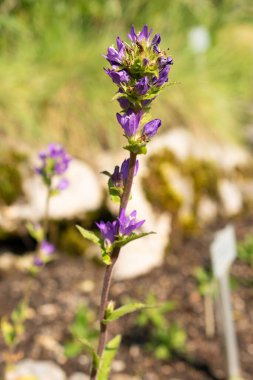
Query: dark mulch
[56,292]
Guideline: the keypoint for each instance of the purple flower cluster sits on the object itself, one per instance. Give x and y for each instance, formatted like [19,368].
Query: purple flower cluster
[123,225]
[140,69]
[54,163]
[46,251]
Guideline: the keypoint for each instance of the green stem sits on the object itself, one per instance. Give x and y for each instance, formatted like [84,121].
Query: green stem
[109,269]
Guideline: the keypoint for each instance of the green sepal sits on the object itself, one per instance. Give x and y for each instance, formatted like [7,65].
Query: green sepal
[117,96]
[105,172]
[136,148]
[106,257]
[123,240]
[107,358]
[92,352]
[92,236]
[115,192]
[113,315]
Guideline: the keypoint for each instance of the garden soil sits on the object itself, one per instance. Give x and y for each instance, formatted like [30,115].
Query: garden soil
[68,281]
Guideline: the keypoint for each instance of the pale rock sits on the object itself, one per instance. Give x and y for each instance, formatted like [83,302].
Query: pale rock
[177,140]
[142,255]
[207,210]
[25,262]
[231,197]
[51,344]
[83,194]
[246,188]
[79,376]
[184,143]
[118,366]
[7,261]
[41,370]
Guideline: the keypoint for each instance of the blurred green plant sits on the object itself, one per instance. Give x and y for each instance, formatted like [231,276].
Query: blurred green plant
[11,181]
[245,250]
[81,330]
[13,328]
[164,339]
[208,288]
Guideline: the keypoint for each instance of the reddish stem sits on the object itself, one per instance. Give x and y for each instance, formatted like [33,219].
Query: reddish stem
[109,268]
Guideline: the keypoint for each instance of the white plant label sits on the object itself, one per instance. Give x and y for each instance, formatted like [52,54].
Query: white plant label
[223,251]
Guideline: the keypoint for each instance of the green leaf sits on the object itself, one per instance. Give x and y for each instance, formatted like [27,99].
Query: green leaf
[92,236]
[106,257]
[115,192]
[72,349]
[8,332]
[19,315]
[91,350]
[123,310]
[123,240]
[107,358]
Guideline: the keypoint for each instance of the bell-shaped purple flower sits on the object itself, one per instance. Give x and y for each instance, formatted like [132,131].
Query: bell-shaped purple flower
[150,129]
[143,35]
[164,61]
[109,230]
[132,35]
[115,56]
[163,76]
[63,184]
[125,169]
[130,122]
[118,77]
[128,224]
[47,248]
[45,254]
[142,86]
[124,102]
[156,40]
[37,261]
[119,176]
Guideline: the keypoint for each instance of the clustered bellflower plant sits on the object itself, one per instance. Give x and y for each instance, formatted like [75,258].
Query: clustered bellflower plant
[140,69]
[54,163]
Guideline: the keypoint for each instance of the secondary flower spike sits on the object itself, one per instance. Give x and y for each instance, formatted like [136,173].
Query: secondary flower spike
[54,164]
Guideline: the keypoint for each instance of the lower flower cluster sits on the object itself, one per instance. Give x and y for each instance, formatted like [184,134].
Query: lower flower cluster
[122,226]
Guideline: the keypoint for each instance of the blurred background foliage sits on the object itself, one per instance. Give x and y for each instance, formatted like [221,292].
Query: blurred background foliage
[53,87]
